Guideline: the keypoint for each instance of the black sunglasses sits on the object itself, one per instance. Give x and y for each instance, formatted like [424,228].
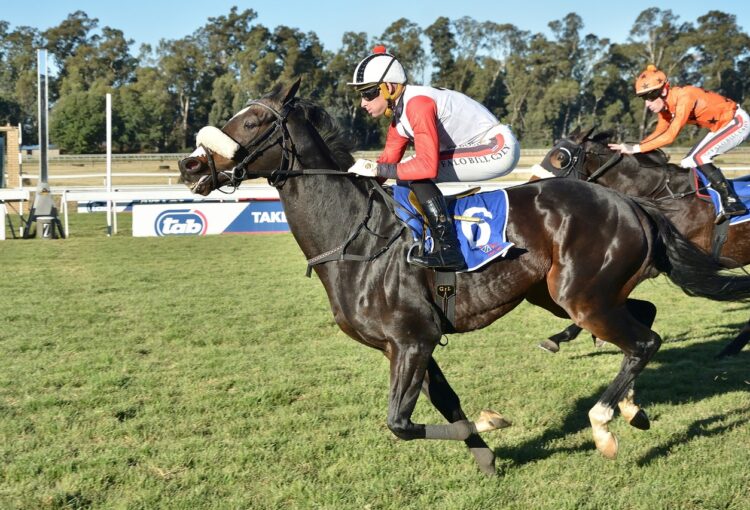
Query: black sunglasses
[651,95]
[370,93]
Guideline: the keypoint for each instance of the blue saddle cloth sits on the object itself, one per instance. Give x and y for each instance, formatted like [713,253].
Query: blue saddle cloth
[481,242]
[741,187]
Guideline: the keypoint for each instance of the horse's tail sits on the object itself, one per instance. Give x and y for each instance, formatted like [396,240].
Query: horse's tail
[696,272]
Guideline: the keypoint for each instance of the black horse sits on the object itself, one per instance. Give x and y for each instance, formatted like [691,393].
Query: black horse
[650,175]
[581,250]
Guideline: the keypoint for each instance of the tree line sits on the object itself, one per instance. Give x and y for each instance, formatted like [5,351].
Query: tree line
[543,86]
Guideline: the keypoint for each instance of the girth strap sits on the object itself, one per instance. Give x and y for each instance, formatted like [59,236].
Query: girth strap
[445,289]
[719,238]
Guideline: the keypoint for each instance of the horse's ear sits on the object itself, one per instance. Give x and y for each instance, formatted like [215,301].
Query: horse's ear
[288,93]
[578,137]
[587,133]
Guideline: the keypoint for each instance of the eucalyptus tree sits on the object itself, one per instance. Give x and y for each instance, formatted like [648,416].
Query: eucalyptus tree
[403,38]
[183,63]
[342,100]
[18,78]
[720,44]
[442,43]
[145,111]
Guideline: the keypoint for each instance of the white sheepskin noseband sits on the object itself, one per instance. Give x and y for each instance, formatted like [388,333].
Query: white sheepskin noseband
[214,139]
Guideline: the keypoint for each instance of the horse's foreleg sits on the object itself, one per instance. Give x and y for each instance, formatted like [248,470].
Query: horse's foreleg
[445,400]
[408,368]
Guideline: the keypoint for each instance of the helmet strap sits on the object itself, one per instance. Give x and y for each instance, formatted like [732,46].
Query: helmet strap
[391,98]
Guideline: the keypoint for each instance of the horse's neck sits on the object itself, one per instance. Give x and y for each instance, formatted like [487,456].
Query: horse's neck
[322,210]
[632,179]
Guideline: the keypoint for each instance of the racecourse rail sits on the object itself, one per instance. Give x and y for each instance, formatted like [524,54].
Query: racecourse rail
[173,191]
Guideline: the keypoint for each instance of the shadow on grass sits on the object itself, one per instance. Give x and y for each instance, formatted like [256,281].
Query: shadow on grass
[712,426]
[678,374]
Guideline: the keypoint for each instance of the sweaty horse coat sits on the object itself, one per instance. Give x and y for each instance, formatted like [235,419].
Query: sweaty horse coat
[580,250]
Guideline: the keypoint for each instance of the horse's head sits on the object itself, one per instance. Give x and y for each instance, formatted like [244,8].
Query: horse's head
[256,142]
[579,156]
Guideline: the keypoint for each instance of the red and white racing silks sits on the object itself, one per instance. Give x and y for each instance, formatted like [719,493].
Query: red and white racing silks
[455,138]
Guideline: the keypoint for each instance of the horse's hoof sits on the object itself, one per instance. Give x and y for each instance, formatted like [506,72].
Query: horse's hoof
[607,445]
[640,420]
[549,346]
[485,461]
[491,420]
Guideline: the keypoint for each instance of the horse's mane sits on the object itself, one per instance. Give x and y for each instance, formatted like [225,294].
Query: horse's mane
[329,130]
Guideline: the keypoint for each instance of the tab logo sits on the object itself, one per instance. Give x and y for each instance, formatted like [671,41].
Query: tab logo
[181,222]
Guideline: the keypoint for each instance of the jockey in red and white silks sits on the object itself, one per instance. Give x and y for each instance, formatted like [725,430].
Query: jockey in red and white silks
[455,139]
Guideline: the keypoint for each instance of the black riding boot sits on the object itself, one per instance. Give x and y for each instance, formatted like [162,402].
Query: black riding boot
[731,203]
[445,253]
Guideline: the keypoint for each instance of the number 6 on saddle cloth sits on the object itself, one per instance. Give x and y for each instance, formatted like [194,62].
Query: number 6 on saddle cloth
[481,221]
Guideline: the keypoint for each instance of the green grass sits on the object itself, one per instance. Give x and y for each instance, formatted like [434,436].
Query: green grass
[208,373]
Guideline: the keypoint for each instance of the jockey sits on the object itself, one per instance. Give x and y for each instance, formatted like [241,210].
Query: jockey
[455,139]
[728,123]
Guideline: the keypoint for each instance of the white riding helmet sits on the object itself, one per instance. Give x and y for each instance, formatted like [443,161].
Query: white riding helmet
[379,67]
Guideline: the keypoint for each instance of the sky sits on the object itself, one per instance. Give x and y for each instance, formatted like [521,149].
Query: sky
[150,21]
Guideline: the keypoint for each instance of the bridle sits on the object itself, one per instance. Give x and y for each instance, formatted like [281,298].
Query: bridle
[277,133]
[575,165]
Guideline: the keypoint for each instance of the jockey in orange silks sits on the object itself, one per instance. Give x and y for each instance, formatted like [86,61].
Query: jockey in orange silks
[727,122]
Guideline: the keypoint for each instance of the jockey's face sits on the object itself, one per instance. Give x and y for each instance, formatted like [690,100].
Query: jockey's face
[655,100]
[377,106]
[656,105]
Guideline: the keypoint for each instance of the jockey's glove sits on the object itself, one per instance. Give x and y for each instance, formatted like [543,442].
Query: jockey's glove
[365,168]
[626,148]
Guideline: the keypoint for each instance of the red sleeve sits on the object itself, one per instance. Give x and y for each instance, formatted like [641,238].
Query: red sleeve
[422,114]
[395,146]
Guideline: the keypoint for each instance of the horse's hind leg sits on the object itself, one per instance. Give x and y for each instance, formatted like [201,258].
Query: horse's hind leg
[552,344]
[445,400]
[639,343]
[645,313]
[735,346]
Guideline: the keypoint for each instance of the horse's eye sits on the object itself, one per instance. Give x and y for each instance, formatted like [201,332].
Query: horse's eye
[250,124]
[561,159]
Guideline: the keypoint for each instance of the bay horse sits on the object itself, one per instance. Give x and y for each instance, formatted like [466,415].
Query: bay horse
[580,251]
[649,175]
